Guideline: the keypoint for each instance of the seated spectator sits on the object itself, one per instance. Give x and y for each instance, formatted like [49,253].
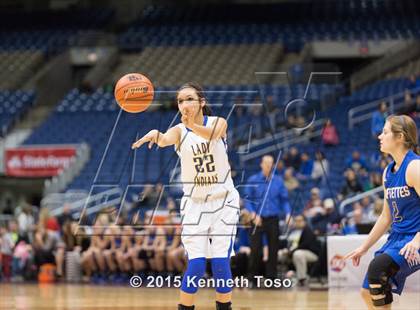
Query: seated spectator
[329,134]
[291,122]
[303,248]
[366,207]
[272,111]
[413,82]
[290,181]
[242,245]
[321,167]
[48,222]
[280,168]
[375,180]
[8,240]
[292,158]
[306,167]
[356,162]
[350,223]
[22,258]
[375,212]
[325,219]
[375,161]
[409,104]
[65,216]
[378,119]
[175,253]
[352,185]
[26,223]
[45,246]
[314,205]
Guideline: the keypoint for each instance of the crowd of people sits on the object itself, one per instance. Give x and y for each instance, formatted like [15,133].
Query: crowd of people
[111,249]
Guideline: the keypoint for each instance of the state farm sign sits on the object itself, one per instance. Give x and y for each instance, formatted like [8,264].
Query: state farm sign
[37,161]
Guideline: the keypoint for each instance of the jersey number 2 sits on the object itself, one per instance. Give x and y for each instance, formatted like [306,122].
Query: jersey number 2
[205,161]
[396,213]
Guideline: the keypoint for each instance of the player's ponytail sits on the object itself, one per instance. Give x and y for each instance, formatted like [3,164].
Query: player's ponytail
[405,125]
[200,93]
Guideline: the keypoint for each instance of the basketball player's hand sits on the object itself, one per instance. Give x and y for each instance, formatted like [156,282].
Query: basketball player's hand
[151,137]
[187,118]
[411,252]
[356,255]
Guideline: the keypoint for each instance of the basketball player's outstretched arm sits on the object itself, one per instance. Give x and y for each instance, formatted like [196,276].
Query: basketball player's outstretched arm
[381,226]
[216,131]
[171,137]
[411,249]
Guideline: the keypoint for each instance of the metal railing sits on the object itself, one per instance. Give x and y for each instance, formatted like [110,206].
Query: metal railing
[358,197]
[354,119]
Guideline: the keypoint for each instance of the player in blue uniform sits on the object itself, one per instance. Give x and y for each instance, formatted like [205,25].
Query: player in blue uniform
[400,255]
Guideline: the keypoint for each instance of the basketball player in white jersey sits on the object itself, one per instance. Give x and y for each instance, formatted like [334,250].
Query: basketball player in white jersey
[210,205]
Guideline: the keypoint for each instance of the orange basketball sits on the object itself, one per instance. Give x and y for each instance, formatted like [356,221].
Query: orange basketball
[134,92]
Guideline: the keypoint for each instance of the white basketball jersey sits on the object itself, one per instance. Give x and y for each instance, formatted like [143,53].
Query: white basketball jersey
[205,169]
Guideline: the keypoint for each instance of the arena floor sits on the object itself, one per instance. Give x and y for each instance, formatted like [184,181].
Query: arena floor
[88,297]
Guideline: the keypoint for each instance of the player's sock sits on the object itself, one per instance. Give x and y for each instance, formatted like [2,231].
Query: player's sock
[223,305]
[182,307]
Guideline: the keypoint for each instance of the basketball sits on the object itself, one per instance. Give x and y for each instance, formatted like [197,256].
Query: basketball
[134,92]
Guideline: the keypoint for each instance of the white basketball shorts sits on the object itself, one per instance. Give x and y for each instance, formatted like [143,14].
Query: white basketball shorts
[209,228]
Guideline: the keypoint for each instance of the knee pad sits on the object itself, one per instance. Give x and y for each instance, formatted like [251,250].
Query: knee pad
[220,268]
[195,271]
[380,270]
[182,307]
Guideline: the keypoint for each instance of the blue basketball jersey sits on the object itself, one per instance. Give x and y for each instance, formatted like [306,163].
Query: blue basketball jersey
[403,201]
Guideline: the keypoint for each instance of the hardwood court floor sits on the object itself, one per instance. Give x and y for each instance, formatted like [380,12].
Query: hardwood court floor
[89,297]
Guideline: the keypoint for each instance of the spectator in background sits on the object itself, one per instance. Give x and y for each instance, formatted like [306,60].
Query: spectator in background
[409,104]
[47,221]
[314,205]
[303,247]
[413,82]
[267,203]
[329,134]
[306,167]
[375,180]
[366,207]
[352,185]
[290,181]
[350,223]
[256,111]
[8,238]
[356,162]
[378,119]
[321,167]
[26,223]
[45,245]
[292,158]
[375,212]
[328,217]
[272,111]
[291,122]
[65,216]
[280,168]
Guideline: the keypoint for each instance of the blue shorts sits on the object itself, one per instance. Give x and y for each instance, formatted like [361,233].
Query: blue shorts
[392,247]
